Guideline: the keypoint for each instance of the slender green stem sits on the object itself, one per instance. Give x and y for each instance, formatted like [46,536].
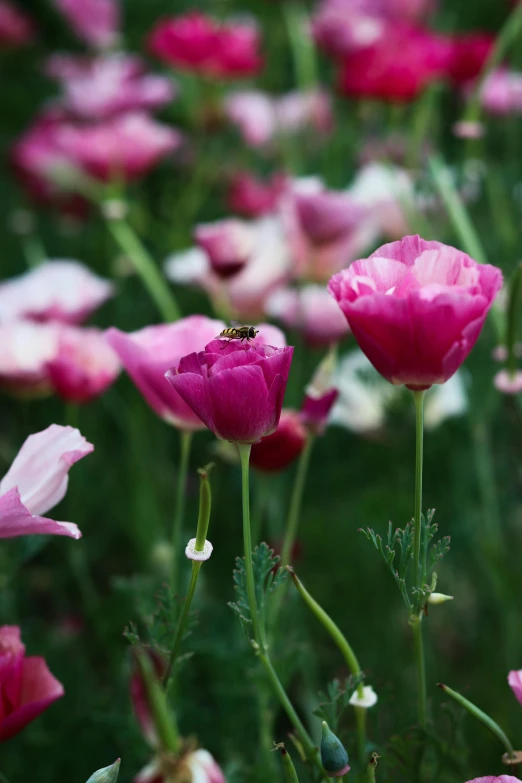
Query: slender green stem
[481,716]
[182,623]
[421,669]
[164,720]
[301,45]
[145,266]
[179,513]
[244,454]
[311,750]
[346,651]
[296,501]
[512,318]
[418,397]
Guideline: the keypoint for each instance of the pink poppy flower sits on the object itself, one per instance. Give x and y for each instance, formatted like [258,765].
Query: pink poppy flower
[495,779]
[27,687]
[515,683]
[96,88]
[50,154]
[37,481]
[251,197]
[56,290]
[25,350]
[84,365]
[501,93]
[96,22]
[197,766]
[469,53]
[16,29]
[227,243]
[416,308]
[277,451]
[148,353]
[236,390]
[196,42]
[311,311]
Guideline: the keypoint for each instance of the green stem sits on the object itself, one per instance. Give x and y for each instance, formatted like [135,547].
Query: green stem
[296,501]
[512,315]
[182,623]
[311,750]
[179,513]
[301,45]
[164,720]
[416,624]
[145,266]
[418,397]
[347,653]
[481,716]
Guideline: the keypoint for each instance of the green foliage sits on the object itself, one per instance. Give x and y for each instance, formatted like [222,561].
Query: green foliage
[334,701]
[267,578]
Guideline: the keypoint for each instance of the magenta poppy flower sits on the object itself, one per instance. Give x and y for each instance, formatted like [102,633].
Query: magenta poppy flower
[236,390]
[27,687]
[148,353]
[96,22]
[84,366]
[416,308]
[37,481]
[515,683]
[16,29]
[277,451]
[252,197]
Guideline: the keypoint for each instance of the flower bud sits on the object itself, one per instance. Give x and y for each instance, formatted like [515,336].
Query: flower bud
[334,757]
[106,774]
[439,598]
[367,700]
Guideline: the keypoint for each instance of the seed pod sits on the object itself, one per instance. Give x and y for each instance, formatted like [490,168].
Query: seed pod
[334,757]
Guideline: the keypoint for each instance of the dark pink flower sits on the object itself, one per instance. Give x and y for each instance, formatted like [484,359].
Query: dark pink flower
[196,42]
[416,308]
[16,29]
[515,683]
[56,290]
[84,365]
[37,481]
[147,354]
[227,243]
[469,53]
[27,687]
[277,451]
[96,22]
[236,390]
[99,87]
[311,311]
[397,68]
[251,197]
[50,154]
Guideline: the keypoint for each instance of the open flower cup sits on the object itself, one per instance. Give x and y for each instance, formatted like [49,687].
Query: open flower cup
[236,390]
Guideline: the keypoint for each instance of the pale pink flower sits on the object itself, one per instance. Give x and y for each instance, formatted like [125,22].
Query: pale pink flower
[310,310]
[84,365]
[495,779]
[16,29]
[96,22]
[56,290]
[515,683]
[228,244]
[501,92]
[25,350]
[27,687]
[508,382]
[37,481]
[387,192]
[96,88]
[195,767]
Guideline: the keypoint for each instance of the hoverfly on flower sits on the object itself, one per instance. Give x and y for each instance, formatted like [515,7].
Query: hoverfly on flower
[240,332]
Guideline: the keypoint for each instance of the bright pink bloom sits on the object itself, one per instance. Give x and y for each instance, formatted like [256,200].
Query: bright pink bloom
[25,350]
[397,68]
[236,390]
[416,308]
[468,56]
[27,687]
[147,354]
[324,228]
[96,88]
[196,42]
[311,311]
[515,683]
[227,243]
[251,197]
[96,22]
[501,93]
[277,451]
[57,290]
[126,146]
[16,29]
[84,365]
[37,481]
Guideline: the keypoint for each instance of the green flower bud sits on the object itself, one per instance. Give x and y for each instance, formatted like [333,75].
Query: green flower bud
[334,757]
[106,774]
[439,598]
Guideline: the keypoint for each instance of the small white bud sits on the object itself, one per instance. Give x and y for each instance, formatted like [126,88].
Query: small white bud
[367,700]
[439,598]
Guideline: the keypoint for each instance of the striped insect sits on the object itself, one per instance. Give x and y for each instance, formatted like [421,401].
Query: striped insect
[240,332]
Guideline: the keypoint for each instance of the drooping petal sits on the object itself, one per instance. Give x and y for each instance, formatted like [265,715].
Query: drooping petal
[16,520]
[39,690]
